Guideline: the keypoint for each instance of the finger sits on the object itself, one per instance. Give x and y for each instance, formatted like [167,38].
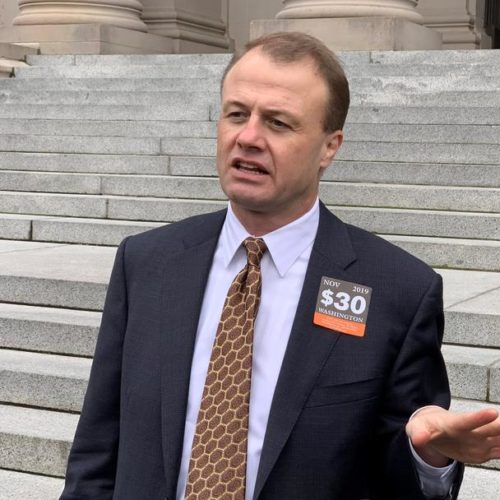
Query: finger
[489,430]
[476,420]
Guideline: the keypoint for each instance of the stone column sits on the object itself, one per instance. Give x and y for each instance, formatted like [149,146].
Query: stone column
[193,25]
[355,24]
[84,27]
[303,9]
[120,13]
[459,21]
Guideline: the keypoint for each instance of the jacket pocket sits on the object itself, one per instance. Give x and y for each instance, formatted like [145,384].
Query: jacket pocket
[345,393]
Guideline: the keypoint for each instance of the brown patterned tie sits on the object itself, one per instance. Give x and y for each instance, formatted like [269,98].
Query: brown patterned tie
[217,469]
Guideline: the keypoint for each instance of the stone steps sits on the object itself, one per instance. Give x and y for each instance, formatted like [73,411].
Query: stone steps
[478,484]
[352,58]
[58,382]
[105,97]
[75,276]
[209,93]
[43,380]
[48,330]
[476,199]
[44,448]
[448,174]
[193,71]
[433,223]
[213,69]
[354,132]
[19,485]
[488,154]
[188,111]
[117,146]
[36,441]
[439,252]
[359,84]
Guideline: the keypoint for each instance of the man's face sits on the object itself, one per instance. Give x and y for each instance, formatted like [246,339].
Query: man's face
[271,147]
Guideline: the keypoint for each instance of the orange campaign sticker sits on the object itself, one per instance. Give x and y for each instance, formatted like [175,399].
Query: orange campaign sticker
[342,306]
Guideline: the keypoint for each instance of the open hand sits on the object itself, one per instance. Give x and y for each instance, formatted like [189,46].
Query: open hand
[439,435]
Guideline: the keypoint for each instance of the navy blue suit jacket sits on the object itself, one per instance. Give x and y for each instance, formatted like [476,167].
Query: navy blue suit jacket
[336,426]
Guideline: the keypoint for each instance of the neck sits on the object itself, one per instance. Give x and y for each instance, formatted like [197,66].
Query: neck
[262,223]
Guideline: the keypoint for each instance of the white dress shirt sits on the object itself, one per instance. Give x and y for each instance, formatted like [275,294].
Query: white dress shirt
[283,269]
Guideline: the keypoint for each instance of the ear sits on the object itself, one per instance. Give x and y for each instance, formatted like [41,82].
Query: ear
[332,144]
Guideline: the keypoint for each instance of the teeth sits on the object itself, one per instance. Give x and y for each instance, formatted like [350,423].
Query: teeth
[249,167]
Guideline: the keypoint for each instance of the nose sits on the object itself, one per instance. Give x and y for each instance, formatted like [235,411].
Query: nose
[250,135]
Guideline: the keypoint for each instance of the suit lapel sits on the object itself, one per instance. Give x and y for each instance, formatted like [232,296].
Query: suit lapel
[309,346]
[185,279]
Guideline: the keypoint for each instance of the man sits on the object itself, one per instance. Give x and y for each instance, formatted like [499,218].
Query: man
[345,342]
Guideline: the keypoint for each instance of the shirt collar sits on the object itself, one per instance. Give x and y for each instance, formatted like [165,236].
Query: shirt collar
[285,245]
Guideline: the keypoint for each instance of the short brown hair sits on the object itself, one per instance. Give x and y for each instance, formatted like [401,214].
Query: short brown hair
[289,47]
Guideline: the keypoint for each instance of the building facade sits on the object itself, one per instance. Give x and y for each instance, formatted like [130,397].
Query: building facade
[157,26]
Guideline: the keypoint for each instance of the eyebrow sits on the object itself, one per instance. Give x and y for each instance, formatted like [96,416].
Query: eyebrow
[267,112]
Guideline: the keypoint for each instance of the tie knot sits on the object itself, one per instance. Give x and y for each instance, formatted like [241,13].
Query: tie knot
[255,248]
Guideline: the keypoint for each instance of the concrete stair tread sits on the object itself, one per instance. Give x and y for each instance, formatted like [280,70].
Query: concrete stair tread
[19,485]
[356,132]
[124,84]
[175,70]
[474,372]
[201,111]
[479,484]
[112,128]
[202,146]
[359,84]
[127,59]
[185,69]
[349,171]
[440,115]
[83,163]
[209,93]
[59,382]
[106,97]
[409,221]
[48,329]
[464,287]
[456,198]
[59,426]
[457,56]
[440,98]
[49,365]
[91,264]
[43,380]
[80,263]
[456,253]
[34,440]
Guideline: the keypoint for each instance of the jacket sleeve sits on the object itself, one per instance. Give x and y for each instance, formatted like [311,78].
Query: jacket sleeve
[92,461]
[418,379]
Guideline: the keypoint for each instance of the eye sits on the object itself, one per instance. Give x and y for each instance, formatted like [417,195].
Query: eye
[236,116]
[278,124]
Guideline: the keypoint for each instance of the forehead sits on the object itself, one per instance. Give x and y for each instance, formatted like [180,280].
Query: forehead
[257,72]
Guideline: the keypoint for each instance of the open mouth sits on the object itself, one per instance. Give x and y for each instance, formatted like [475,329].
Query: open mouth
[249,167]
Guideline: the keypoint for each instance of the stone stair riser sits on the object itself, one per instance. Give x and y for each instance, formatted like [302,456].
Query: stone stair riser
[341,193]
[155,71]
[359,85]
[47,292]
[16,485]
[112,112]
[354,132]
[82,163]
[108,98]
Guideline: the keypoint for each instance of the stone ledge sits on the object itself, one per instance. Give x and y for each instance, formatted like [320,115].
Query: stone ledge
[357,33]
[87,39]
